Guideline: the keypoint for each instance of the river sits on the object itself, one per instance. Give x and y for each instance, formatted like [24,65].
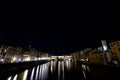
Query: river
[60,70]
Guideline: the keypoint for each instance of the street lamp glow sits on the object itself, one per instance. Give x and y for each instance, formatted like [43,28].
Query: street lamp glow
[38,58]
[19,59]
[2,60]
[35,59]
[14,59]
[28,59]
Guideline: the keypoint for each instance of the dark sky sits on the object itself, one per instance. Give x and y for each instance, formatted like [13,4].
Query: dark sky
[60,30]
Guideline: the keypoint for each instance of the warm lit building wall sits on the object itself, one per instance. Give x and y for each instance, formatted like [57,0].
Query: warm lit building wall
[109,56]
[115,47]
[77,55]
[10,54]
[95,57]
[73,56]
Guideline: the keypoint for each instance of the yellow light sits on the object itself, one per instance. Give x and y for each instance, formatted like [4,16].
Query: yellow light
[25,55]
[14,59]
[28,59]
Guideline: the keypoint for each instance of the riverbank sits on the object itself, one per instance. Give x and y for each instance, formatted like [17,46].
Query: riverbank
[14,67]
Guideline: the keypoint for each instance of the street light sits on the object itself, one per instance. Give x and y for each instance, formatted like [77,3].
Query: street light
[14,59]
[2,60]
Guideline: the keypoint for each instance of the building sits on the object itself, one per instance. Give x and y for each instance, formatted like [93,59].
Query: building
[109,56]
[115,47]
[96,57]
[3,51]
[85,54]
[104,45]
[13,54]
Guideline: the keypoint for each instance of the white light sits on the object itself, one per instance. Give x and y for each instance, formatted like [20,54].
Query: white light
[15,78]
[5,50]
[19,60]
[37,71]
[25,75]
[9,78]
[31,78]
[105,48]
[69,59]
[82,59]
[38,58]
[104,43]
[28,59]
[2,60]
[35,59]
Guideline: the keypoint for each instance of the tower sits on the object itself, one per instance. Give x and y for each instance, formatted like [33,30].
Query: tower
[104,45]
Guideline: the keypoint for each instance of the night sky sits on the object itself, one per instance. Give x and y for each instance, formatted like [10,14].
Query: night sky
[60,30]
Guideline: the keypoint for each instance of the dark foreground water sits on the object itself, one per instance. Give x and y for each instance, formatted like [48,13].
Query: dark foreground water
[63,70]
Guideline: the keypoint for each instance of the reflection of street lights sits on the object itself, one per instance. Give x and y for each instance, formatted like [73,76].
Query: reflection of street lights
[104,57]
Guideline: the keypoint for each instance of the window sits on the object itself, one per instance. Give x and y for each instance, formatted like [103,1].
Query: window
[111,45]
[119,49]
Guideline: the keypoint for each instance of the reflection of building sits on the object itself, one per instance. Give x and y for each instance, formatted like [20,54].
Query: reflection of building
[115,47]
[109,55]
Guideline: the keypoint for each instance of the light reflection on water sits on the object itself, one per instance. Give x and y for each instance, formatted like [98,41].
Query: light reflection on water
[37,72]
[15,78]
[45,71]
[25,74]
[64,70]
[33,70]
[85,68]
[68,64]
[9,78]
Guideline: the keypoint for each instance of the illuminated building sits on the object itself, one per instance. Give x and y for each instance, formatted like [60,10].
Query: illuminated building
[104,45]
[95,57]
[115,47]
[109,55]
[13,54]
[85,54]
[2,51]
[100,49]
